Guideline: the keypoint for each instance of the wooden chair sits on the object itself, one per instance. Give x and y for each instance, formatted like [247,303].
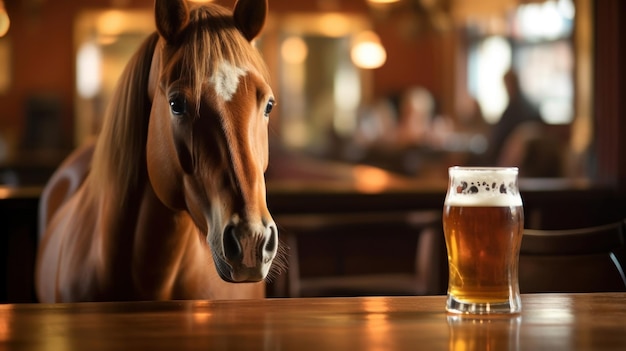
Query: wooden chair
[576,260]
[363,254]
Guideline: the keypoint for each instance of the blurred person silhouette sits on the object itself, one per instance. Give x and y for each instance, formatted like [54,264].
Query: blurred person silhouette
[374,138]
[520,139]
[421,133]
[519,111]
[471,129]
[470,118]
[415,117]
[376,125]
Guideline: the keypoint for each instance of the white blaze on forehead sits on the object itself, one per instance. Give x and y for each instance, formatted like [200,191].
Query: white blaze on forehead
[226,79]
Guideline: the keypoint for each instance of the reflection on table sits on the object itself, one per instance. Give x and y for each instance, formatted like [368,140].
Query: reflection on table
[548,322]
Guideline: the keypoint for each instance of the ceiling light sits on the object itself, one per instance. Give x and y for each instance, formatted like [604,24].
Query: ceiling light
[4,20]
[367,51]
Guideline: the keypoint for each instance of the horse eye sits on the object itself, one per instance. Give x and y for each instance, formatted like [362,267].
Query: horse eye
[269,107]
[178,105]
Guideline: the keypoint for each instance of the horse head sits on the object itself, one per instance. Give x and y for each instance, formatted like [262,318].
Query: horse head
[207,147]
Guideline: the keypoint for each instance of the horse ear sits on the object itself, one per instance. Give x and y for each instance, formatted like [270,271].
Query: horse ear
[250,16]
[171,18]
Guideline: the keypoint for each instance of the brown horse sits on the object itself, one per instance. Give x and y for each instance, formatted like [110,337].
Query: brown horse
[172,197]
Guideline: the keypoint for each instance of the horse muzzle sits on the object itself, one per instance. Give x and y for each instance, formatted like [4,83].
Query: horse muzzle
[248,252]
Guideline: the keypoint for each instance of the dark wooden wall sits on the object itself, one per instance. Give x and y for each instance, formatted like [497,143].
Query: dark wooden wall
[610,92]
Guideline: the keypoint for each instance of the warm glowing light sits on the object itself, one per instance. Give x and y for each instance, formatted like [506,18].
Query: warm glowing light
[294,50]
[4,192]
[382,1]
[88,63]
[201,1]
[112,23]
[367,51]
[378,324]
[334,25]
[378,306]
[496,56]
[370,179]
[201,317]
[5,23]
[347,97]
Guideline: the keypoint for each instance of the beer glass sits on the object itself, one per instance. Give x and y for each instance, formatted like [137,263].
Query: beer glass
[483,221]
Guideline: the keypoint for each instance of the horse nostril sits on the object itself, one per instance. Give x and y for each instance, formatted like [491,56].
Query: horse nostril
[272,243]
[232,249]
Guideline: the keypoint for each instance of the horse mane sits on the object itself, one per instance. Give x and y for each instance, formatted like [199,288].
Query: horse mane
[217,39]
[119,156]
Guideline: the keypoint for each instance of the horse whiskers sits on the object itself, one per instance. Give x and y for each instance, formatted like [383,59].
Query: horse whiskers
[280,263]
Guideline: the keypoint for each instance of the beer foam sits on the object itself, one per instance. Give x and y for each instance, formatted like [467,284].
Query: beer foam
[483,187]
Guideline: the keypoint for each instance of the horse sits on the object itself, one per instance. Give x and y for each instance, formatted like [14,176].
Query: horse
[169,202]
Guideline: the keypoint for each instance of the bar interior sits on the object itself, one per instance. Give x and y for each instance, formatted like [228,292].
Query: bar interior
[374,101]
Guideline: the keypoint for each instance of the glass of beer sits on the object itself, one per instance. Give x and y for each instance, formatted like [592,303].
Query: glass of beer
[483,221]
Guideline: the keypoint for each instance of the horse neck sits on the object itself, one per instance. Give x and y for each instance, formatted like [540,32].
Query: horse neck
[142,249]
[164,239]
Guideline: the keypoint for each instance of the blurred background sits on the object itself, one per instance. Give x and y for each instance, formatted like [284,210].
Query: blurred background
[408,86]
[376,99]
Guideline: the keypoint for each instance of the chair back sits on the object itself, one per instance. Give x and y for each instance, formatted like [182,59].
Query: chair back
[363,254]
[575,260]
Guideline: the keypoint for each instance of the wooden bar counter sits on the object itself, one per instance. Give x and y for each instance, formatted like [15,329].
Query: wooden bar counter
[548,322]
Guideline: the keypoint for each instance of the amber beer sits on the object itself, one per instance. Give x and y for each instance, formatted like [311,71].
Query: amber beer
[483,221]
